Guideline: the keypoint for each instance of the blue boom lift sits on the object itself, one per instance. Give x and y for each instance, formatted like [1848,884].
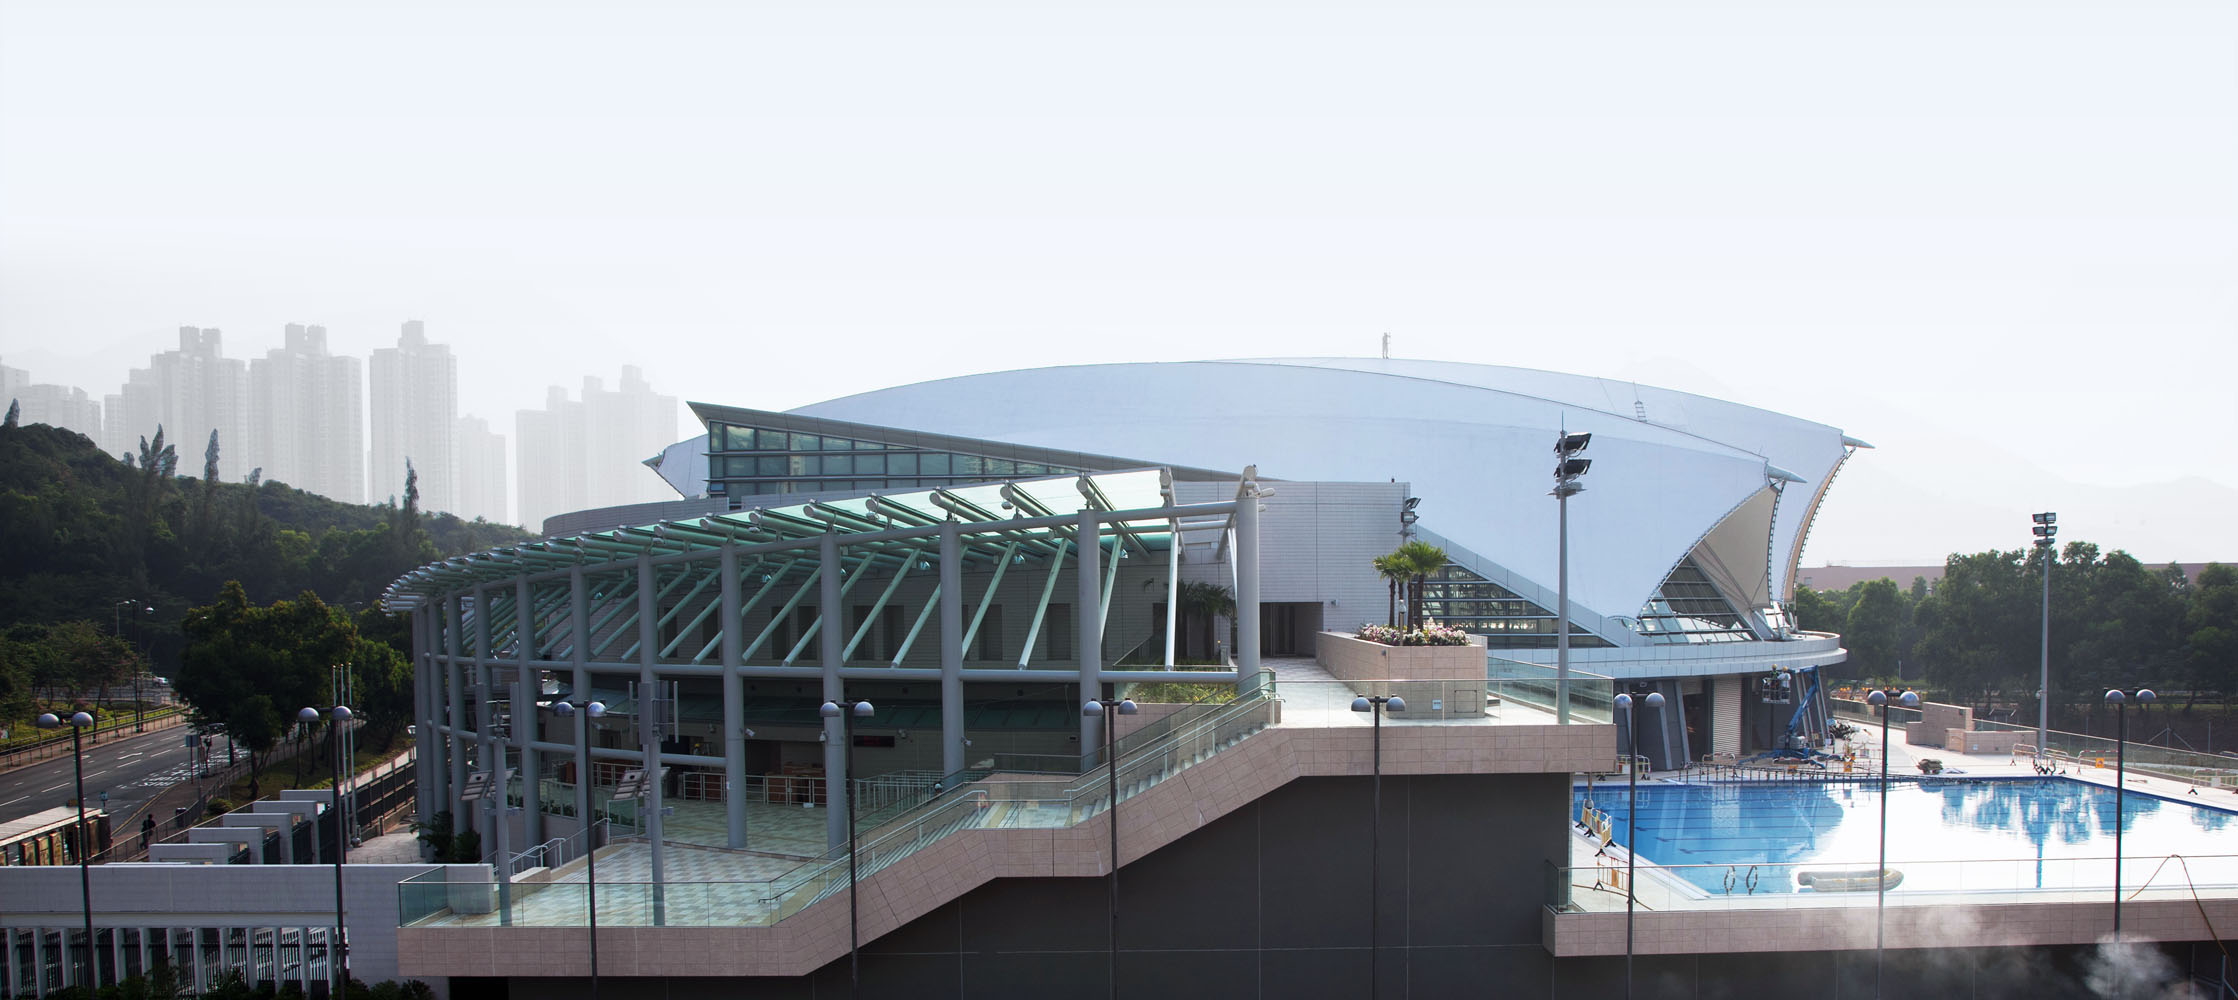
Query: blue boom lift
[1806,736]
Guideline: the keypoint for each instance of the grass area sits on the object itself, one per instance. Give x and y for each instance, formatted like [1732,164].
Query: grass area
[279,776]
[25,732]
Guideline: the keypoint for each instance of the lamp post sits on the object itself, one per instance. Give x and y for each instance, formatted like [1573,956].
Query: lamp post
[1567,469]
[139,714]
[591,710]
[1879,699]
[1375,706]
[1654,701]
[2047,528]
[340,959]
[1106,709]
[847,716]
[79,723]
[2144,696]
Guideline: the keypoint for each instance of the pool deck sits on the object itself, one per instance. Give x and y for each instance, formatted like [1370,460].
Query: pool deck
[1673,916]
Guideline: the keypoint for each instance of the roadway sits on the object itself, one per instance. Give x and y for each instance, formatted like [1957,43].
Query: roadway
[132,769]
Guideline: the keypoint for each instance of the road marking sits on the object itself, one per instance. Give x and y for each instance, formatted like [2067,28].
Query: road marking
[15,800]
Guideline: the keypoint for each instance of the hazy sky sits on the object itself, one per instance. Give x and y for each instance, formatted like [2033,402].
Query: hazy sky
[1999,240]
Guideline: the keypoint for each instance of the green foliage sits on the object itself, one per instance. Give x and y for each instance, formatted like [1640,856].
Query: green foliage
[1977,637]
[82,530]
[250,668]
[1876,622]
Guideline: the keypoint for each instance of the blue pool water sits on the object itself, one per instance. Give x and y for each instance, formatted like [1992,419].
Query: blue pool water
[1996,833]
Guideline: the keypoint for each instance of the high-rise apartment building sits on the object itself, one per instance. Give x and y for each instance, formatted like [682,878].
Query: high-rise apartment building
[415,417]
[589,452]
[189,392]
[481,486]
[54,405]
[307,427]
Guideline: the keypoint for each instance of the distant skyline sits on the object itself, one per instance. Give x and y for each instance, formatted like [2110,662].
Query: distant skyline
[2005,253]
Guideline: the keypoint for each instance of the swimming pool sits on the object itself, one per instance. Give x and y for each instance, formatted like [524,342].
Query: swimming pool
[1943,834]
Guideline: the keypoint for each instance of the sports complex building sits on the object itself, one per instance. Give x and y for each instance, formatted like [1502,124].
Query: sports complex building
[854,685]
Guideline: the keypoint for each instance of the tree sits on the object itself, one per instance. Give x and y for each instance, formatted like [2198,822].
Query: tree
[249,668]
[15,412]
[1874,626]
[1812,612]
[1422,559]
[2211,632]
[1395,572]
[1204,602]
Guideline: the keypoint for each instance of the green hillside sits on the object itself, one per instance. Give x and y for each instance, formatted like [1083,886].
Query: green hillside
[82,531]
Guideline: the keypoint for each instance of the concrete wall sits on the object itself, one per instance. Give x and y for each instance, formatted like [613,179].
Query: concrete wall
[1350,659]
[1269,901]
[1936,721]
[195,896]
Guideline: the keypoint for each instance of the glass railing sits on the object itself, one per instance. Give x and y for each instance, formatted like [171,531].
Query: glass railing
[989,801]
[1592,696]
[1601,887]
[2212,770]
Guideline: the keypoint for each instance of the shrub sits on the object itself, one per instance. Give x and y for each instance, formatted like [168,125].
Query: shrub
[1430,634]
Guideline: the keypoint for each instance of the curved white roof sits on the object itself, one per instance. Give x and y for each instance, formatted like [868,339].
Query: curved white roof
[1475,440]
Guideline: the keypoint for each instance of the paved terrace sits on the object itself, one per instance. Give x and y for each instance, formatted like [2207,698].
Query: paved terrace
[1676,917]
[734,933]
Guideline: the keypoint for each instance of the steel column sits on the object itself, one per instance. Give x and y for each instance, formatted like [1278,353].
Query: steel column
[734,704]
[835,732]
[1088,610]
[525,719]
[951,648]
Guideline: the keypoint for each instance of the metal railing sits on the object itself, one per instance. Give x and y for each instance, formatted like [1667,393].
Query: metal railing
[987,801]
[1839,883]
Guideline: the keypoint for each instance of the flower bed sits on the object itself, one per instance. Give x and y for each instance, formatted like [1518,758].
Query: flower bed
[1430,634]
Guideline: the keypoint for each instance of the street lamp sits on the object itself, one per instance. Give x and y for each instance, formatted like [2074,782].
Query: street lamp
[1879,700]
[847,717]
[1375,706]
[1104,709]
[1654,702]
[2047,528]
[340,958]
[79,723]
[2144,696]
[1567,470]
[591,710]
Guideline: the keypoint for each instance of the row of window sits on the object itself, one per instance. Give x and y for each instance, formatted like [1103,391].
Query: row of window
[1462,599]
[930,463]
[884,639]
[1688,609]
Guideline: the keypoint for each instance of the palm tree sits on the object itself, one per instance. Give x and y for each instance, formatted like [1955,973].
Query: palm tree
[1207,600]
[1394,571]
[1421,559]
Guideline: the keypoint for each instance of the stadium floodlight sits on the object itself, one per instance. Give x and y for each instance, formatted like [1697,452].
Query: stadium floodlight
[2046,529]
[1567,468]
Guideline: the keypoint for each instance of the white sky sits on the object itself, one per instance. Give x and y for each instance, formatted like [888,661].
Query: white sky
[1999,240]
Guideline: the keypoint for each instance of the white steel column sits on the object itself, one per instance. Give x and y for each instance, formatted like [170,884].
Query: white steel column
[734,702]
[1088,608]
[525,718]
[579,651]
[648,726]
[426,711]
[1247,583]
[487,756]
[454,687]
[835,730]
[951,648]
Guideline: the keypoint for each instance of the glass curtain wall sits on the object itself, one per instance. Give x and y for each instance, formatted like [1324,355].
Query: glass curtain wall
[752,461]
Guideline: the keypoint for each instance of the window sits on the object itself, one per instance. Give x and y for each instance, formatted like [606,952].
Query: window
[990,635]
[935,464]
[1057,625]
[901,464]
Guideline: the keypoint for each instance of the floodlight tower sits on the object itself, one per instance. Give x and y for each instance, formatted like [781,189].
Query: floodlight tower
[2047,529]
[1568,468]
